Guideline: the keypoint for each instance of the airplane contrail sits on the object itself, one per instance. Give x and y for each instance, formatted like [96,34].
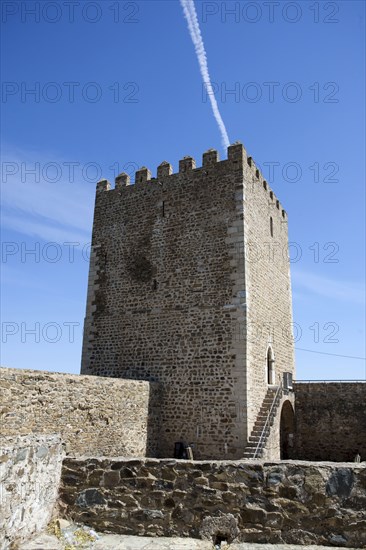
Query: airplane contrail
[190,14]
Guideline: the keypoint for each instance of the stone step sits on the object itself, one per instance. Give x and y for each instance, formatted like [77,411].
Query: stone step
[261,420]
[260,424]
[257,430]
[250,455]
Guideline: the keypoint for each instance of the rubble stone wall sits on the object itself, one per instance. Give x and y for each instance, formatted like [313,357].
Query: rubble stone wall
[173,294]
[279,502]
[30,471]
[268,289]
[95,416]
[330,421]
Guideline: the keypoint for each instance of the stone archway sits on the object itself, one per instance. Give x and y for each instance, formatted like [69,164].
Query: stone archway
[287,429]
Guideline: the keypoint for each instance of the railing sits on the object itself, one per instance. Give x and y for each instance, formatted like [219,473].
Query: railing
[329,381]
[270,415]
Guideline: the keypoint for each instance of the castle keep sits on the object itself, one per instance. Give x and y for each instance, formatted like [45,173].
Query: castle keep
[187,340]
[185,290]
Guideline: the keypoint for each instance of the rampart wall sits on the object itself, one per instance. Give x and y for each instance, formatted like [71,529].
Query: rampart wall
[330,420]
[279,502]
[95,416]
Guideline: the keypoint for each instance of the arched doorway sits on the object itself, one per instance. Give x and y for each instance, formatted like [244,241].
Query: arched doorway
[270,367]
[287,428]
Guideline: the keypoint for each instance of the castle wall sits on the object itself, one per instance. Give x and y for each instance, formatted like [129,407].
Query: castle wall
[269,307]
[95,416]
[280,502]
[165,298]
[330,421]
[30,472]
[172,296]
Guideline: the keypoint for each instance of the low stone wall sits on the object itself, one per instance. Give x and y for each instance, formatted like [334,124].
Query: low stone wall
[95,416]
[330,421]
[281,502]
[30,471]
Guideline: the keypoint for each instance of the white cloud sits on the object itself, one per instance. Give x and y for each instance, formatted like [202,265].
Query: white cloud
[35,206]
[348,291]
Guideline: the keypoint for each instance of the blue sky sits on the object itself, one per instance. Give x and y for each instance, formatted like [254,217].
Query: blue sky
[94,88]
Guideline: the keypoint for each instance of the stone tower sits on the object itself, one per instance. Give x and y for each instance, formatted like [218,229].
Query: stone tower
[189,286]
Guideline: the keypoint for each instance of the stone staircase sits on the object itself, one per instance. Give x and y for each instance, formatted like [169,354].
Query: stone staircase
[273,394]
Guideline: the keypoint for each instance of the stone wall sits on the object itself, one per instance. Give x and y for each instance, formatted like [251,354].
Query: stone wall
[330,421]
[95,416]
[268,287]
[169,291]
[281,502]
[30,471]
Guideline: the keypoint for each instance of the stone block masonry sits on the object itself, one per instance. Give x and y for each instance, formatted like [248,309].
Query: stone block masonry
[279,502]
[30,471]
[176,295]
[330,421]
[95,416]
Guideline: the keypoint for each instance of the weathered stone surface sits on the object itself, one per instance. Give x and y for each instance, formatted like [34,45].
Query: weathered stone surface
[189,286]
[340,483]
[29,481]
[95,416]
[122,542]
[281,502]
[330,421]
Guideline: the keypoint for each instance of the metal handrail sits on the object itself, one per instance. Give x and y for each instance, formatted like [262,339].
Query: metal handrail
[328,381]
[269,417]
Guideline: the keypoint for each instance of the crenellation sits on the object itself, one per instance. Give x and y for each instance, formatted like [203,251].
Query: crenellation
[143,175]
[187,164]
[122,180]
[210,159]
[103,185]
[164,169]
[236,153]
[211,156]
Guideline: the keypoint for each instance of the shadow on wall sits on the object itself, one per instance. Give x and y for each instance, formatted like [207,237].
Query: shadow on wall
[153,421]
[330,421]
[287,430]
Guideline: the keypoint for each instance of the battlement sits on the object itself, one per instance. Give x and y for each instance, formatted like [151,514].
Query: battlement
[179,273]
[236,157]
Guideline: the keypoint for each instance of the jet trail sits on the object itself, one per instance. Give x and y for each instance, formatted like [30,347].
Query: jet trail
[195,32]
